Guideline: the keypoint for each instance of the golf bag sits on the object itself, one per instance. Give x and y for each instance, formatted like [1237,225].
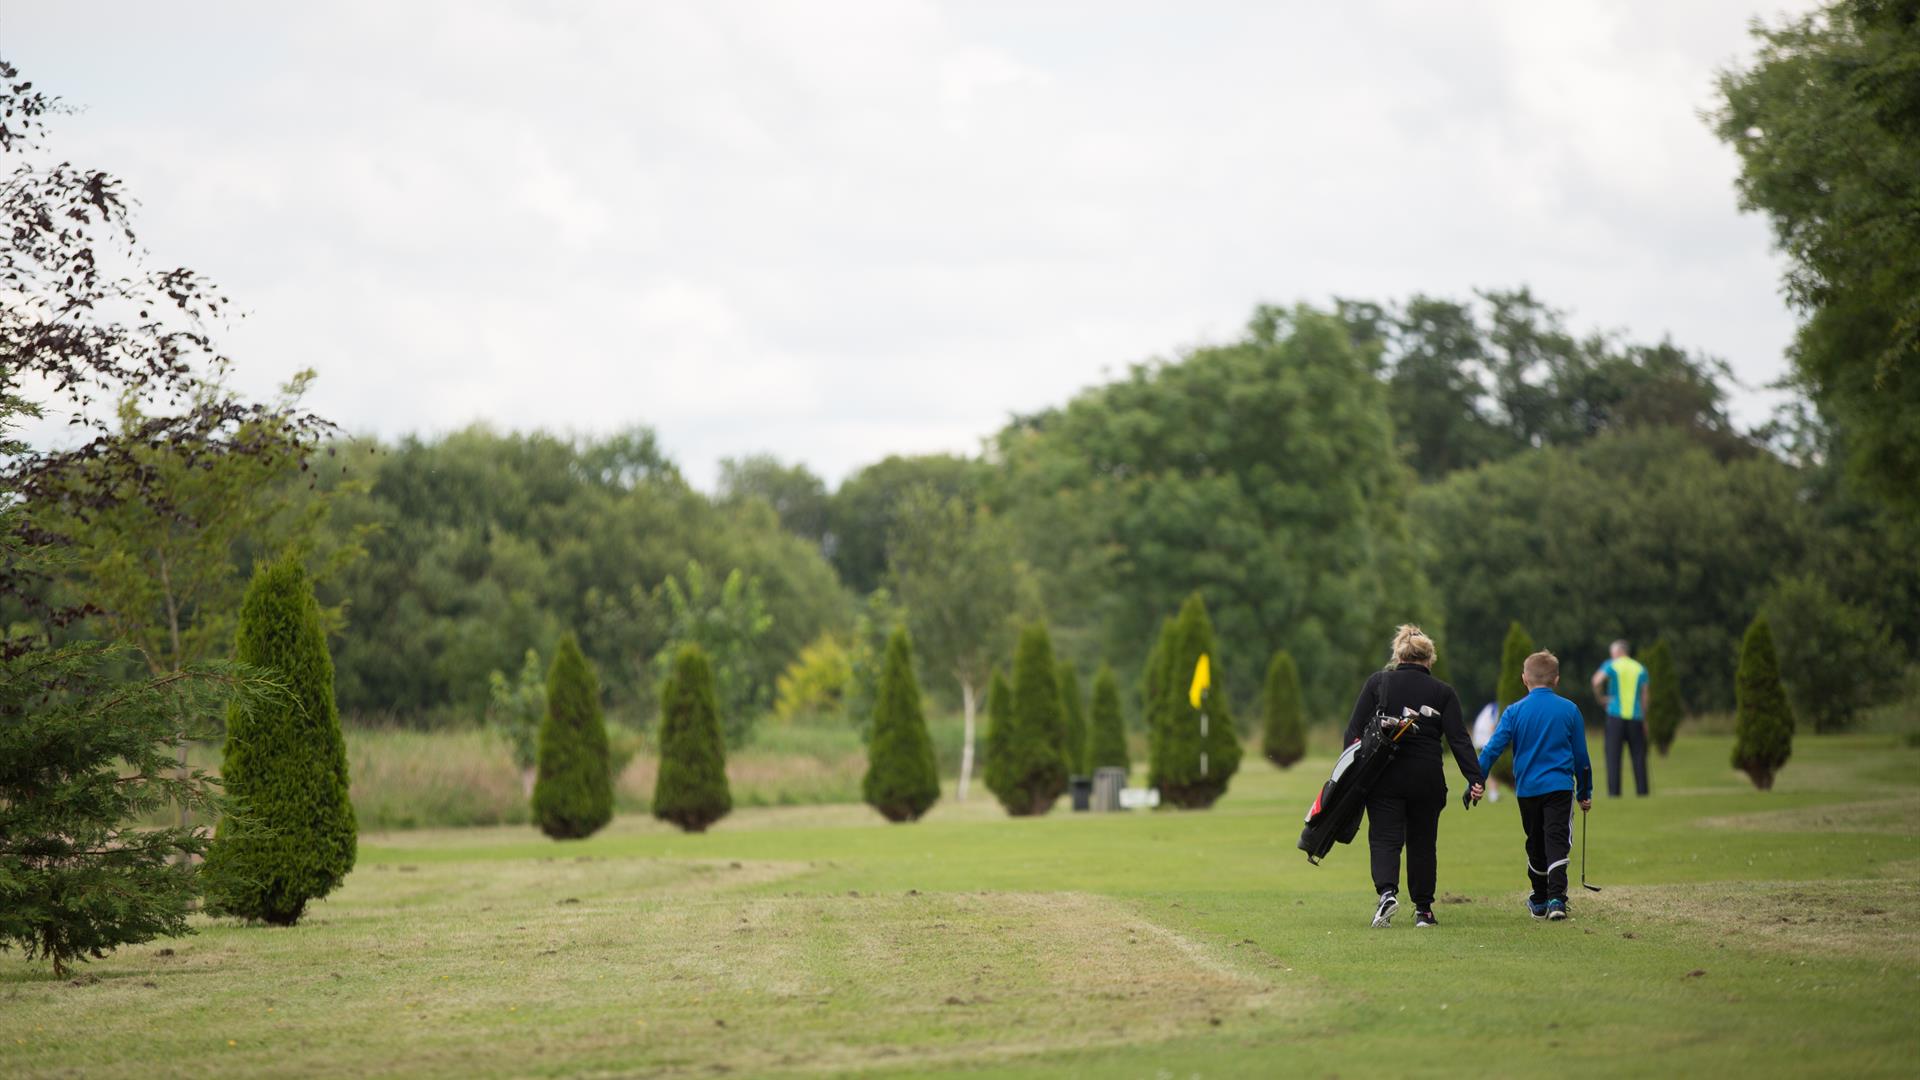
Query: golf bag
[1336,811]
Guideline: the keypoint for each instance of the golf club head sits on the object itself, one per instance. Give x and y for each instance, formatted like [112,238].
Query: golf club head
[1589,888]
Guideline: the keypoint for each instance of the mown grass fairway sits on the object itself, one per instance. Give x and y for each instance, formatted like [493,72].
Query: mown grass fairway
[1740,933]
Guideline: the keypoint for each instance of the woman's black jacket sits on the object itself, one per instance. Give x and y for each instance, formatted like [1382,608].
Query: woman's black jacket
[1411,686]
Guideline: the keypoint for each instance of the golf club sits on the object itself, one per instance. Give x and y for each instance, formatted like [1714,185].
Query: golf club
[1584,829]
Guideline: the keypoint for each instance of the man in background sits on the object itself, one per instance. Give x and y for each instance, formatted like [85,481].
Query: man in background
[1621,685]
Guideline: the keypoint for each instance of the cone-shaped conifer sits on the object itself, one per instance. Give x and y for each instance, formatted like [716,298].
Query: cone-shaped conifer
[999,731]
[1032,752]
[285,762]
[902,780]
[1283,728]
[1106,731]
[1663,697]
[1513,656]
[691,790]
[1763,721]
[1073,721]
[572,788]
[1198,750]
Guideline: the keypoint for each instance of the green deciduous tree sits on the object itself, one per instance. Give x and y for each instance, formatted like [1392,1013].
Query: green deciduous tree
[902,781]
[795,494]
[1198,750]
[1260,473]
[515,708]
[727,623]
[1663,697]
[1032,765]
[573,790]
[1763,721]
[1107,731]
[866,509]
[1635,535]
[1825,124]
[1283,729]
[285,762]
[1835,658]
[999,736]
[955,569]
[691,791]
[1073,721]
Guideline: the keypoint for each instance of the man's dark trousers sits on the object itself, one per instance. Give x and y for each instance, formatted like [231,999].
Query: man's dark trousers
[1634,732]
[1548,820]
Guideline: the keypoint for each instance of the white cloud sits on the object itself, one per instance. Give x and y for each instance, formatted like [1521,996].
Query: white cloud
[835,231]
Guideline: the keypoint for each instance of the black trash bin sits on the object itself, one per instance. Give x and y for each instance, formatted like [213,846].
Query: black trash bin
[1082,788]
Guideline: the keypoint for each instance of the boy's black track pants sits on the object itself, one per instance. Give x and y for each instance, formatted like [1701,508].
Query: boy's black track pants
[1634,732]
[1403,810]
[1548,820]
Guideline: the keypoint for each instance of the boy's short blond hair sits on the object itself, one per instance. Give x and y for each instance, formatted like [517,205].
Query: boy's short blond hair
[1541,669]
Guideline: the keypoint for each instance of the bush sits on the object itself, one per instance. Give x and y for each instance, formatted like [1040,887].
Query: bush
[993,773]
[1283,729]
[1763,721]
[815,683]
[1192,769]
[1073,722]
[1511,688]
[1835,658]
[284,764]
[1663,697]
[573,791]
[901,781]
[1107,732]
[692,789]
[515,709]
[1031,767]
[1153,682]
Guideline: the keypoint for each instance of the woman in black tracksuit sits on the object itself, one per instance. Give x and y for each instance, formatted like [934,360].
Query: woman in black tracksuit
[1403,809]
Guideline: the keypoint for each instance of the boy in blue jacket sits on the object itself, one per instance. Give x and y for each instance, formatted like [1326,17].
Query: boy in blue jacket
[1550,773]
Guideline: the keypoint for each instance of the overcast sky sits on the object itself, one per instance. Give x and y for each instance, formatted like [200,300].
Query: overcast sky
[834,231]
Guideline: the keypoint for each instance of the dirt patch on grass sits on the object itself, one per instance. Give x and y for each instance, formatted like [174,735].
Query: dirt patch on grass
[846,982]
[1874,918]
[1894,817]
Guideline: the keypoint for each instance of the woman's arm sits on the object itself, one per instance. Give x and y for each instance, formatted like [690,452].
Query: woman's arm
[1362,711]
[1453,725]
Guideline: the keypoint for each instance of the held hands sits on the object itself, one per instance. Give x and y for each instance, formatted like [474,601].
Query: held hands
[1476,791]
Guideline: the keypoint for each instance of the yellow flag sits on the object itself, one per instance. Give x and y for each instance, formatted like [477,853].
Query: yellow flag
[1202,678]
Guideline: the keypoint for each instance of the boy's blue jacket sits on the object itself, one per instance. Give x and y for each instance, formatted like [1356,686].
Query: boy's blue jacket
[1549,745]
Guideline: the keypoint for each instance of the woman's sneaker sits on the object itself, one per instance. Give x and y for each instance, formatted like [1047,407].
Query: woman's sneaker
[1556,910]
[1424,918]
[1383,915]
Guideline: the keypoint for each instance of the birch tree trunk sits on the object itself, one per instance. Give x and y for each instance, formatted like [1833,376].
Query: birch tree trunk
[966,743]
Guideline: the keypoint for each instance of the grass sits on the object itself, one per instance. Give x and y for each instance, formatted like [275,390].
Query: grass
[1740,933]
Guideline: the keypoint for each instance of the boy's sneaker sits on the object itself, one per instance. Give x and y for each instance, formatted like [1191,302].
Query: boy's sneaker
[1537,907]
[1383,915]
[1424,918]
[1556,910]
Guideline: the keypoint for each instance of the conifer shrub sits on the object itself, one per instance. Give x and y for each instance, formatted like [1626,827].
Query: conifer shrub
[1106,730]
[691,790]
[1192,767]
[1073,721]
[1032,763]
[902,780]
[999,730]
[1283,728]
[573,786]
[1153,698]
[1513,656]
[1663,697]
[1763,721]
[284,763]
